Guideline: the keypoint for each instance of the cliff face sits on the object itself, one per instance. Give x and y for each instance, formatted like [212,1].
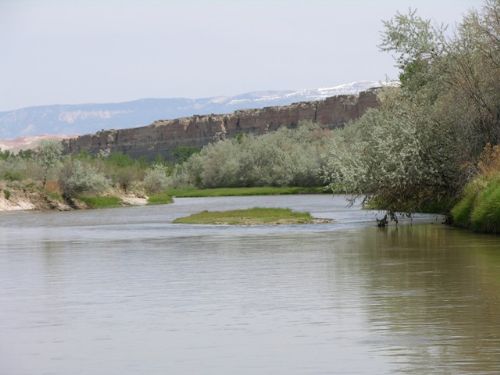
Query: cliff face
[163,137]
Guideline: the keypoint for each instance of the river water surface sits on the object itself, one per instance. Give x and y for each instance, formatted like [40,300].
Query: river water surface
[125,291]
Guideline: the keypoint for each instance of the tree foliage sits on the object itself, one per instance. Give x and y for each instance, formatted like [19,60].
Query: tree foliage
[48,154]
[421,146]
[287,157]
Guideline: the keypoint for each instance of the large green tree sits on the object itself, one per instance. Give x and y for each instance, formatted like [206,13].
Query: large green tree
[421,146]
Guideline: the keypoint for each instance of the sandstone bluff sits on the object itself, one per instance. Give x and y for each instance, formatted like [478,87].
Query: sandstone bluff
[163,137]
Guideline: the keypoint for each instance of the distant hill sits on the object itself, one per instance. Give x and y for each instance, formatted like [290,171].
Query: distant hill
[88,118]
[23,143]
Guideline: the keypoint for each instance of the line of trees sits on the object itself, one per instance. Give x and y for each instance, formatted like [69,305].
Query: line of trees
[287,157]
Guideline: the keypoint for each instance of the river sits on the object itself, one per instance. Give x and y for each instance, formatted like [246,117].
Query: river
[125,291]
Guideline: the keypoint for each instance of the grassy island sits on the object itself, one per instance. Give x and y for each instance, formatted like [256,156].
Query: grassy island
[251,216]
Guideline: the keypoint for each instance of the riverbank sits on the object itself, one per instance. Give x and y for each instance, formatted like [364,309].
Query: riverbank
[32,197]
[479,208]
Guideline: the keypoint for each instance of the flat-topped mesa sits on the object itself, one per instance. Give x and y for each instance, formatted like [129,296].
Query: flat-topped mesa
[164,137]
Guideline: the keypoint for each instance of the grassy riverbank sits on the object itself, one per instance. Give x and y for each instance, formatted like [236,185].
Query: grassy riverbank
[101,201]
[251,216]
[244,191]
[479,209]
[161,198]
[479,206]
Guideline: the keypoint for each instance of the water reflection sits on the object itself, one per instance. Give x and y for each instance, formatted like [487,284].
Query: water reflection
[101,293]
[434,294]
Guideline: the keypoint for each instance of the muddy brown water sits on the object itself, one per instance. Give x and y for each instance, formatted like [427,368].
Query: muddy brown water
[124,291]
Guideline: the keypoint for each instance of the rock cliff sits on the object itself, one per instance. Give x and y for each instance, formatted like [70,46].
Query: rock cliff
[163,137]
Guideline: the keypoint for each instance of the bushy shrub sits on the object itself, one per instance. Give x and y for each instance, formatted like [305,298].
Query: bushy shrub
[287,157]
[392,156]
[156,180]
[76,178]
[14,169]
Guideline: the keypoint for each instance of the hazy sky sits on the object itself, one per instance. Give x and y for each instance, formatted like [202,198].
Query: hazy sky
[76,51]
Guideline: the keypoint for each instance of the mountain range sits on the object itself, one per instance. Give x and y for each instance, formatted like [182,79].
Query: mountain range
[78,119]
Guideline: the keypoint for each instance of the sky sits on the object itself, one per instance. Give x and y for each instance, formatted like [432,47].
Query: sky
[77,51]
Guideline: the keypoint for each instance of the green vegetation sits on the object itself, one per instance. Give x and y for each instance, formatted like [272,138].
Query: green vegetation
[156,179]
[6,194]
[76,178]
[485,216]
[48,155]
[54,176]
[416,152]
[251,216]
[479,208]
[55,196]
[161,198]
[420,148]
[101,201]
[182,153]
[244,191]
[287,157]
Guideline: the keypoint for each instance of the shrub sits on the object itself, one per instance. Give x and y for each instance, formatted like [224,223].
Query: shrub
[76,178]
[14,169]
[121,169]
[392,155]
[156,179]
[287,157]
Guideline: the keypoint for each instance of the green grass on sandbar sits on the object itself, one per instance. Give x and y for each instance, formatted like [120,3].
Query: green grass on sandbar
[241,191]
[161,198]
[101,202]
[251,216]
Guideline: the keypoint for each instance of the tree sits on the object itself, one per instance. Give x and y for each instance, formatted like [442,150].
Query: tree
[416,44]
[48,155]
[419,149]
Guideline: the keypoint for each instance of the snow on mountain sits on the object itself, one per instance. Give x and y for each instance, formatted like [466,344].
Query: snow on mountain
[88,118]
